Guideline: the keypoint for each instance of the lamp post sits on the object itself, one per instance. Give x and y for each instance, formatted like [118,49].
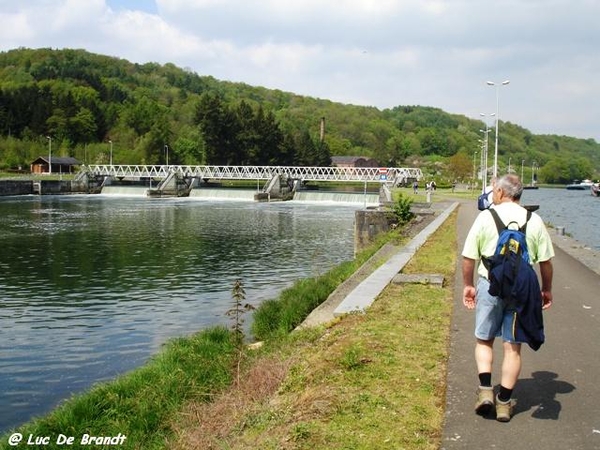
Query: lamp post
[167,152]
[508,165]
[111,148]
[474,168]
[497,85]
[49,154]
[487,130]
[485,158]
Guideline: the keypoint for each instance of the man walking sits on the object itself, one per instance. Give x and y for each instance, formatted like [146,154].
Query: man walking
[494,316]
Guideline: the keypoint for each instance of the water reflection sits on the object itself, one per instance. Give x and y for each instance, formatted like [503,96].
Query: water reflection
[91,286]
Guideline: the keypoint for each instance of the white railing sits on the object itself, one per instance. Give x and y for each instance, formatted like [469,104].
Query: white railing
[372,174]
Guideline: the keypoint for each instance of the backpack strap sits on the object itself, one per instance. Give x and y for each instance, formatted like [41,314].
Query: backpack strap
[499,224]
[524,227]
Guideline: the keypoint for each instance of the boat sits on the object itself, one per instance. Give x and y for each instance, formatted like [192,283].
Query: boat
[577,185]
[595,188]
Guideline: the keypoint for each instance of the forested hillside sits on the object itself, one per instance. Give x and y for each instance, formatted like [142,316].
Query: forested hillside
[83,105]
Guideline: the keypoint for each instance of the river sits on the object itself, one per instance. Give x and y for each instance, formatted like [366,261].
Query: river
[92,285]
[577,211]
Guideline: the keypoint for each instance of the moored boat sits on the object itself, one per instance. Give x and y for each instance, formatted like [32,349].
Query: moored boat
[577,185]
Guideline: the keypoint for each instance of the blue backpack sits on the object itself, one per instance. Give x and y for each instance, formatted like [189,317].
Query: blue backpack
[513,279]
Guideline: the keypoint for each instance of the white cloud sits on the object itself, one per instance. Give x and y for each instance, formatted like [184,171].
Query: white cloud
[374,52]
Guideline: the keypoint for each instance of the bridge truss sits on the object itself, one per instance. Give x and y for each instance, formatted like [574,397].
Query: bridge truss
[392,175]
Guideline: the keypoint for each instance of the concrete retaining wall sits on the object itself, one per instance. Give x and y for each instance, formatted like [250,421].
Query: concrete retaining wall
[16,187]
[44,187]
[368,224]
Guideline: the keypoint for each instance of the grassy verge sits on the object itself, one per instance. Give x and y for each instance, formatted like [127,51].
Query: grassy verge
[369,381]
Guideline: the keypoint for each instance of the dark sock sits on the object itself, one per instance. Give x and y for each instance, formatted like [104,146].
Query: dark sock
[504,394]
[485,379]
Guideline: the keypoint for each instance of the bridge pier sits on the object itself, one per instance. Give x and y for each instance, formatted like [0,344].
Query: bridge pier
[174,185]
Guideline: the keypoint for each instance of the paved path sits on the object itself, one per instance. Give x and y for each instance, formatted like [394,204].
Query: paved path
[558,394]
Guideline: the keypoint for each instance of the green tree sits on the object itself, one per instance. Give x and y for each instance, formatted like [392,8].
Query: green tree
[82,127]
[460,166]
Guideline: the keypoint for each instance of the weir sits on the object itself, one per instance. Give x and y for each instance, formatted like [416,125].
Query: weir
[223,194]
[369,199]
[249,195]
[279,182]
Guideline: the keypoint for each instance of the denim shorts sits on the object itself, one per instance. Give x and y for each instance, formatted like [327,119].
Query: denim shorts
[492,318]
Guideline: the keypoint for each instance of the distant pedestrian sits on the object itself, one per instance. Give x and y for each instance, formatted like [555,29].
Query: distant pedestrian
[493,317]
[415,187]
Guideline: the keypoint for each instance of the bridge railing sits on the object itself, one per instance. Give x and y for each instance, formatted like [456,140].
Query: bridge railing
[372,174]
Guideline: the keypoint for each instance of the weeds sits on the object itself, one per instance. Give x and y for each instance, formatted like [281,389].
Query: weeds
[237,315]
[238,310]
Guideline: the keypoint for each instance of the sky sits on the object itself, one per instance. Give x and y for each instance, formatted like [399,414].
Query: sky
[381,53]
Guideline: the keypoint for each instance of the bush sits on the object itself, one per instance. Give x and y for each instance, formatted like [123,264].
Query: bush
[401,209]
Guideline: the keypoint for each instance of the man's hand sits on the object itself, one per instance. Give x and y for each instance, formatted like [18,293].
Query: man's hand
[546,299]
[469,297]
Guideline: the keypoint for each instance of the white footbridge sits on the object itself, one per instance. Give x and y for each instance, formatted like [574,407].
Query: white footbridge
[180,179]
[393,175]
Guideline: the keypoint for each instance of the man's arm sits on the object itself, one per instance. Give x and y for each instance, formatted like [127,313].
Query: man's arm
[547,272]
[468,270]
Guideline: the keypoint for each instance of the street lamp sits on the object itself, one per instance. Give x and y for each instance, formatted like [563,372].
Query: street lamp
[474,170]
[485,158]
[167,151]
[49,154]
[534,167]
[111,148]
[491,83]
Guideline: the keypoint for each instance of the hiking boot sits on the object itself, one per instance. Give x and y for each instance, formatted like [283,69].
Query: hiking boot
[485,400]
[504,410]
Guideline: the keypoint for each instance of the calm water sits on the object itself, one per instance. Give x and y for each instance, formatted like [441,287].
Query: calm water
[577,211]
[91,286]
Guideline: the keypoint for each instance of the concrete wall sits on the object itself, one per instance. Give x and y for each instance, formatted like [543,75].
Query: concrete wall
[44,187]
[55,187]
[368,224]
[16,187]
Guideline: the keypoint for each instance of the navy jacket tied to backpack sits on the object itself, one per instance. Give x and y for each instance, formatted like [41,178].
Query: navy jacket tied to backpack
[513,279]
